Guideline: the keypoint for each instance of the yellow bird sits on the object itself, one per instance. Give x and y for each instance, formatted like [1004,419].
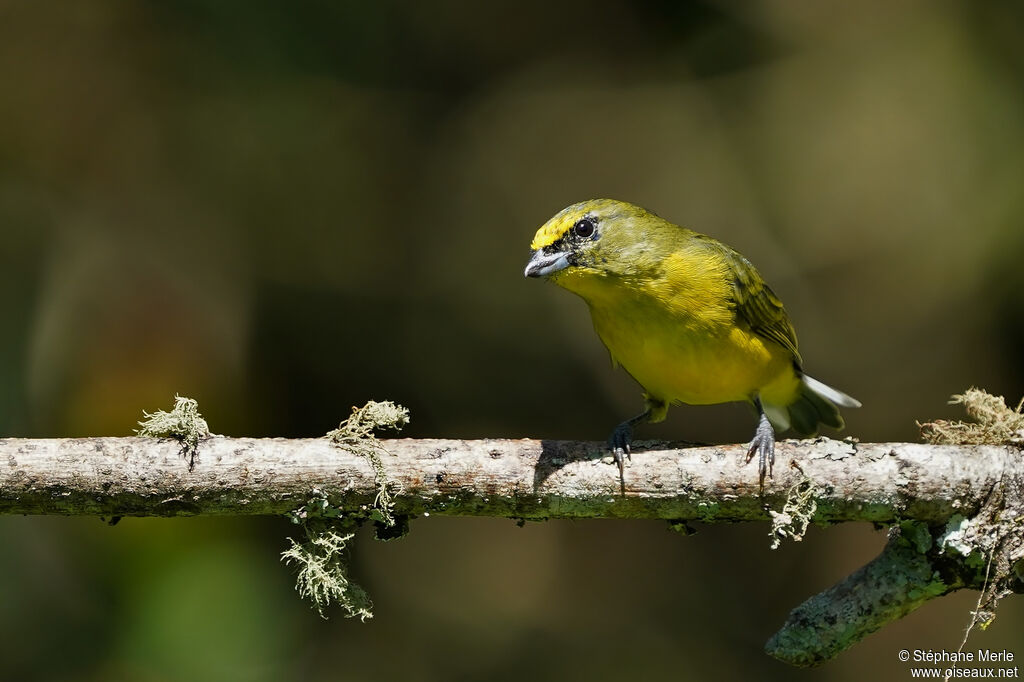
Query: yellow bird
[689,318]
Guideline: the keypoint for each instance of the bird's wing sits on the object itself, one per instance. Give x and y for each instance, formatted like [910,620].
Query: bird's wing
[757,305]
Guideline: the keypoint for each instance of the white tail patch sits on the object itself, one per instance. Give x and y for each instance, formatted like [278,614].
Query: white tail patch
[828,393]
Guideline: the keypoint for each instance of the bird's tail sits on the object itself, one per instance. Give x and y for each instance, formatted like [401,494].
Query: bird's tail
[816,403]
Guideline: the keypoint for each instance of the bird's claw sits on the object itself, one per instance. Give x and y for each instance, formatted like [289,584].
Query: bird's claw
[619,442]
[620,455]
[763,445]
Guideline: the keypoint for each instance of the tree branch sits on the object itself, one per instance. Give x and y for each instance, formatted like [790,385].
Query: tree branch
[879,482]
[920,487]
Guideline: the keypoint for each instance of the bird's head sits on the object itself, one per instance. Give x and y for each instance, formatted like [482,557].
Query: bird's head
[596,238]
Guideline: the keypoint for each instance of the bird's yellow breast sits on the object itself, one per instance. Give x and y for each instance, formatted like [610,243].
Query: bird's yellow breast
[678,335]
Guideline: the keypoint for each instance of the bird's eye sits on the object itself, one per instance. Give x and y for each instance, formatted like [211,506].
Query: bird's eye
[583,228]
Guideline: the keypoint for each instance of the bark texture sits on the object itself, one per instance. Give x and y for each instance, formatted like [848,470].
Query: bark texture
[879,482]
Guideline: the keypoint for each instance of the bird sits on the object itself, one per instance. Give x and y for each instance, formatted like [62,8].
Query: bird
[689,318]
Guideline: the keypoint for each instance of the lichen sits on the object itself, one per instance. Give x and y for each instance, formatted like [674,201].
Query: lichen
[356,434]
[371,417]
[959,536]
[322,556]
[183,423]
[323,570]
[917,535]
[992,540]
[796,514]
[994,423]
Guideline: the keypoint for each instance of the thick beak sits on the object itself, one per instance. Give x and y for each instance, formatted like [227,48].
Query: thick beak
[543,264]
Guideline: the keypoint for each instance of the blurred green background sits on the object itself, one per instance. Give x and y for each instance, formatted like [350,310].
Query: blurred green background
[285,209]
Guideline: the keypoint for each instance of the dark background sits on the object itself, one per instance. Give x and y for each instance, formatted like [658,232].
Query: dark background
[284,210]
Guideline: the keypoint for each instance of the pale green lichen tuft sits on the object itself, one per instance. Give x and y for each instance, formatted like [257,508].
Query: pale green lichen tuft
[372,416]
[323,571]
[356,434]
[992,540]
[994,423]
[796,513]
[321,558]
[183,423]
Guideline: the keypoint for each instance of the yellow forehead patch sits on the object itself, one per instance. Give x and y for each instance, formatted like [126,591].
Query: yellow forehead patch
[551,232]
[554,229]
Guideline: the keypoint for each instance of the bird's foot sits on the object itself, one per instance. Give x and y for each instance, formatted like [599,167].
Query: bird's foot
[764,446]
[619,442]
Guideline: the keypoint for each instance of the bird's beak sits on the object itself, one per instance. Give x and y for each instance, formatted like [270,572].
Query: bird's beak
[543,264]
